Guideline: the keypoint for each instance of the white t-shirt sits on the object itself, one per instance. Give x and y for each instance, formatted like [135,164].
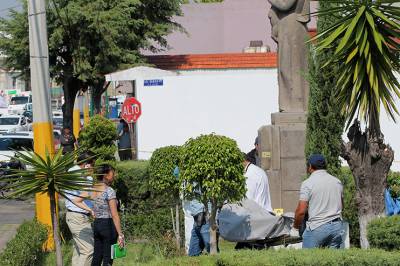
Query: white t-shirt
[258,187]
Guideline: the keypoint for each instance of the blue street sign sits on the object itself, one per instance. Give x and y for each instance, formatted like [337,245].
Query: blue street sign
[153,82]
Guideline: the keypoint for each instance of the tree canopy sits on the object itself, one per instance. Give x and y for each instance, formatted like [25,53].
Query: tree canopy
[90,38]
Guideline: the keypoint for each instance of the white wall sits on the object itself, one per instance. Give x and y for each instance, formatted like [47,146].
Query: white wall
[234,103]
[231,103]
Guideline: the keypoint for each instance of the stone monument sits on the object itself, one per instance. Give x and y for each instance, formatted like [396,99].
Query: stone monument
[282,142]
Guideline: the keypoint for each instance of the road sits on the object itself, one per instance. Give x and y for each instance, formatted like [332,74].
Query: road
[12,214]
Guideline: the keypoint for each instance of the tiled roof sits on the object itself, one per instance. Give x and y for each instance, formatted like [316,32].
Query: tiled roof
[214,61]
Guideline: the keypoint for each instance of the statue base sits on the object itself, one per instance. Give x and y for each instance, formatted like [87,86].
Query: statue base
[282,157]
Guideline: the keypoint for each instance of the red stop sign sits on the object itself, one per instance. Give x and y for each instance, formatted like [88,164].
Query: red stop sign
[131,110]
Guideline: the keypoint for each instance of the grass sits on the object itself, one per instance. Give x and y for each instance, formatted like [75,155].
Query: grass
[147,255]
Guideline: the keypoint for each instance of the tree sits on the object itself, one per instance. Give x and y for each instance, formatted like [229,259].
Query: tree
[212,172]
[90,38]
[162,164]
[47,175]
[367,53]
[324,121]
[98,137]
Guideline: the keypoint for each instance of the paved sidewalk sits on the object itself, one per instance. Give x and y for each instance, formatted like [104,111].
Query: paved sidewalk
[12,214]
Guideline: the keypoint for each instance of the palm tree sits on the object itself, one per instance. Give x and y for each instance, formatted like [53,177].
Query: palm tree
[47,175]
[365,39]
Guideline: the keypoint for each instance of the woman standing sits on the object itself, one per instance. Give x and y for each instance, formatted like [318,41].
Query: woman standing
[107,226]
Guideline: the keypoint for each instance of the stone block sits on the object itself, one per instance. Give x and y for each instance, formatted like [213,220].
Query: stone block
[269,146]
[293,173]
[292,142]
[290,199]
[265,146]
[288,118]
[275,188]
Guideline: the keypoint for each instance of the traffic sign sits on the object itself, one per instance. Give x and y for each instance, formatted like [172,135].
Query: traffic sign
[131,110]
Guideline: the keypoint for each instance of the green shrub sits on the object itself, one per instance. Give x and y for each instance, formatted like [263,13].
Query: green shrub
[147,215]
[350,209]
[290,257]
[384,233]
[26,247]
[162,164]
[98,137]
[393,181]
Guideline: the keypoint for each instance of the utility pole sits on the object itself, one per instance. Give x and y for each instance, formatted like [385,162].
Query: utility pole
[42,116]
[77,115]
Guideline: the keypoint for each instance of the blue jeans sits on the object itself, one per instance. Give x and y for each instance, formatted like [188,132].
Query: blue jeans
[199,240]
[327,235]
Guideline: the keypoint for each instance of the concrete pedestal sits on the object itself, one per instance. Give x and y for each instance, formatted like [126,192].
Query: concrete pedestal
[282,157]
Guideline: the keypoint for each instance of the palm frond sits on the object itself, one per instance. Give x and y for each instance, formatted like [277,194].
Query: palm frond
[46,175]
[368,56]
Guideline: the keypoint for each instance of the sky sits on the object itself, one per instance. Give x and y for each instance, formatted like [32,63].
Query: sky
[4,4]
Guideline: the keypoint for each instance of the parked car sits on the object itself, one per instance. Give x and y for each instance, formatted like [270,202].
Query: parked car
[13,123]
[10,142]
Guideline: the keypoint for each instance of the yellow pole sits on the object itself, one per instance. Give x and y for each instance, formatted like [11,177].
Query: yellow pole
[76,117]
[86,108]
[42,115]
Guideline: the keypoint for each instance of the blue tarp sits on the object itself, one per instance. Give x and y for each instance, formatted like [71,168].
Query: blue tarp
[392,205]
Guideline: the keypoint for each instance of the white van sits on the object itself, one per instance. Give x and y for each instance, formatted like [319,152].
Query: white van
[17,104]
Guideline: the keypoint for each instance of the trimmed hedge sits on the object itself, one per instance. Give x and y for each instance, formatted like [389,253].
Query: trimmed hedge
[147,214]
[288,257]
[26,247]
[384,233]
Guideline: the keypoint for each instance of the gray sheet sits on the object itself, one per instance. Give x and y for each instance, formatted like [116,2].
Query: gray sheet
[247,221]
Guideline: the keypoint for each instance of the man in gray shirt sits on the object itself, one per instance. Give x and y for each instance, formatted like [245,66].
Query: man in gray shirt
[322,196]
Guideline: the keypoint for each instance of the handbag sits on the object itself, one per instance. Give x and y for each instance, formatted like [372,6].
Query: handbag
[117,252]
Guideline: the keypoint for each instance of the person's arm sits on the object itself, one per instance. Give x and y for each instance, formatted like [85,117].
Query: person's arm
[300,213]
[117,222]
[79,201]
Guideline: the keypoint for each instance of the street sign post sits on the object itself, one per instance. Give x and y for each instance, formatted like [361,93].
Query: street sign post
[131,111]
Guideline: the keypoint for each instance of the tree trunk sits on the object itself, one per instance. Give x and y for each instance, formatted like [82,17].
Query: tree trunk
[54,222]
[177,224]
[369,159]
[213,230]
[71,86]
[97,91]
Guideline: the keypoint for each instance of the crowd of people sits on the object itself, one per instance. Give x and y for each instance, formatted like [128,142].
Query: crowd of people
[318,214]
[319,210]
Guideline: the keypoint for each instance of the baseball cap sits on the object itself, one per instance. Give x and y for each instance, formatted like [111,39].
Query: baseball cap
[317,160]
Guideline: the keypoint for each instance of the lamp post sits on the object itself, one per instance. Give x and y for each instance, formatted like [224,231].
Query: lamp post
[42,115]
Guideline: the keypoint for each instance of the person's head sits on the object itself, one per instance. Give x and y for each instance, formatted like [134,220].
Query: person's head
[256,143]
[316,162]
[246,159]
[105,173]
[85,160]
[67,130]
[125,127]
[122,121]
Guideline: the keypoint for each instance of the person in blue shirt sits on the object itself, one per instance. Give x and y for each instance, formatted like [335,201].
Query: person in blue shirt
[78,221]
[200,233]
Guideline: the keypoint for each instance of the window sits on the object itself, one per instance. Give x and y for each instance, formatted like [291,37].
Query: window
[18,144]
[19,100]
[9,121]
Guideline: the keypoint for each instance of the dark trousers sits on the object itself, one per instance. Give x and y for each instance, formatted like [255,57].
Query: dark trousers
[125,154]
[105,235]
